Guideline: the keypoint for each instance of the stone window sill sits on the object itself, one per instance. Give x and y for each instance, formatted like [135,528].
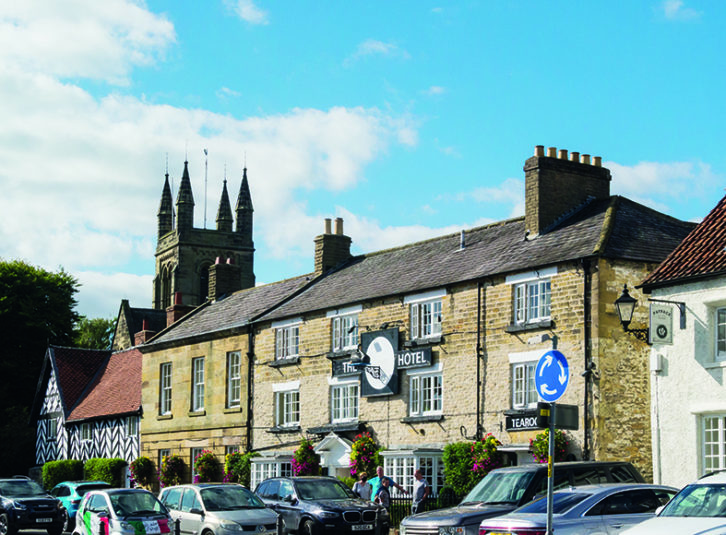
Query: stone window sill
[279,363]
[230,410]
[533,326]
[279,429]
[164,416]
[421,419]
[193,414]
[431,340]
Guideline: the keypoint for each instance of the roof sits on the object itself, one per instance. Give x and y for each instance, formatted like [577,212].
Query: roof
[75,369]
[701,254]
[115,391]
[235,311]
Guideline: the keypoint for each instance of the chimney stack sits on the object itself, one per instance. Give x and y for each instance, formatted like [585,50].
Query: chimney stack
[144,334]
[331,249]
[177,310]
[556,185]
[224,278]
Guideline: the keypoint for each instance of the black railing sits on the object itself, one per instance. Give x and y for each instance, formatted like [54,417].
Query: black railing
[401,505]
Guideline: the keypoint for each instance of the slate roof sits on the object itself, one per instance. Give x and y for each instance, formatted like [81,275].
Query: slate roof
[156,319]
[235,311]
[75,368]
[701,254]
[115,391]
[613,228]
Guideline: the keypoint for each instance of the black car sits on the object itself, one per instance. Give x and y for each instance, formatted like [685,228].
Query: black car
[316,505]
[25,505]
[504,489]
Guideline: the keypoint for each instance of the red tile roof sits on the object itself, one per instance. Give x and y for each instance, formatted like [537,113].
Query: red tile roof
[701,254]
[116,391]
[75,368]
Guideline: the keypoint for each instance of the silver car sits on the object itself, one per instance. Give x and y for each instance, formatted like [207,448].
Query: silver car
[218,509]
[604,508]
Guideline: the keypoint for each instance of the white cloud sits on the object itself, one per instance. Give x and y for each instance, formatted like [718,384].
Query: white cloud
[225,93]
[655,180]
[101,294]
[435,90]
[373,47]
[248,11]
[675,10]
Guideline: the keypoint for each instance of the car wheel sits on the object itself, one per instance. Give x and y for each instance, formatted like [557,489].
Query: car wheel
[308,528]
[5,527]
[58,530]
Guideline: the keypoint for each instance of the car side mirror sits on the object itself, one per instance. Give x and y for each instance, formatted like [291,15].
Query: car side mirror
[196,511]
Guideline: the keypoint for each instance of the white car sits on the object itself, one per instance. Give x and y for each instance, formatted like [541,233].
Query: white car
[698,509]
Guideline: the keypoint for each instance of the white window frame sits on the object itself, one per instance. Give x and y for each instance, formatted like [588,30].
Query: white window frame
[266,468]
[720,334]
[197,384]
[52,428]
[401,467]
[194,453]
[234,379]
[522,385]
[532,296]
[132,426]
[86,432]
[287,404]
[164,452]
[426,392]
[165,388]
[344,401]
[344,332]
[425,314]
[287,338]
[713,442]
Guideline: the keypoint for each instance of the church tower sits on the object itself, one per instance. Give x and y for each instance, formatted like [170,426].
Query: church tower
[184,254]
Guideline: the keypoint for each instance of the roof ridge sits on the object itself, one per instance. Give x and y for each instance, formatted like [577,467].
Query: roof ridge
[608,225]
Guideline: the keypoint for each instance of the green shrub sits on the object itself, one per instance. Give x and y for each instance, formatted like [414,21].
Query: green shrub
[143,471]
[238,467]
[348,481]
[66,470]
[305,462]
[112,471]
[458,467]
[207,468]
[171,471]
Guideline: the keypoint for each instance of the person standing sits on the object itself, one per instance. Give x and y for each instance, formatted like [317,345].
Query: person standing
[421,491]
[376,482]
[362,488]
[383,496]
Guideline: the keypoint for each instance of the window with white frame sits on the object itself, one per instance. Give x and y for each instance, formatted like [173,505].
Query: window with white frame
[86,432]
[532,296]
[287,339]
[234,379]
[165,388]
[230,449]
[524,391]
[401,468]
[345,332]
[721,333]
[163,454]
[713,433]
[262,470]
[425,313]
[426,393]
[132,426]
[287,404]
[197,384]
[52,428]
[344,401]
[195,452]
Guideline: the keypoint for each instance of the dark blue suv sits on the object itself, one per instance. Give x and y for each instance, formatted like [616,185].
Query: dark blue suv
[26,505]
[321,505]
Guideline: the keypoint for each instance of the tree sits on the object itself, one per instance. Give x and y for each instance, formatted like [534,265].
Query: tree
[95,333]
[37,308]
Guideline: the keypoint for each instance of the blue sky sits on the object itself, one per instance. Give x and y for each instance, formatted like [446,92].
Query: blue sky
[409,119]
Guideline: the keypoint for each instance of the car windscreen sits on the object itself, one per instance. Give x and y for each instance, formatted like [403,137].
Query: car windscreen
[229,499]
[500,488]
[321,489]
[561,503]
[698,500]
[20,488]
[136,503]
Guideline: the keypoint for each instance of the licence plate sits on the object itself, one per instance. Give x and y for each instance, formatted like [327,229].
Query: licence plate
[44,520]
[361,527]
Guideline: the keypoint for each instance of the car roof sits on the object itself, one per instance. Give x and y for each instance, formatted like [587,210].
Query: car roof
[605,487]
[305,478]
[203,485]
[713,477]
[569,464]
[84,482]
[118,491]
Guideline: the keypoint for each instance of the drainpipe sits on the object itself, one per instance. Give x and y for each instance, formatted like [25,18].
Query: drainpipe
[588,373]
[250,359]
[479,287]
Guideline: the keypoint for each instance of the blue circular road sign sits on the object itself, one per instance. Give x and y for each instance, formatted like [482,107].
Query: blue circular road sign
[551,376]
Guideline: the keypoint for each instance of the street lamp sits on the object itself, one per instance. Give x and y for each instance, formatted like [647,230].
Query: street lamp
[625,305]
[362,360]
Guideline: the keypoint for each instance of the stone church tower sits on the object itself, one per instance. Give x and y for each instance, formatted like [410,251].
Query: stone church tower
[184,254]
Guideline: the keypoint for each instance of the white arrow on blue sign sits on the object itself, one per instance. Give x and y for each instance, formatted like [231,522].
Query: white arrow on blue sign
[551,376]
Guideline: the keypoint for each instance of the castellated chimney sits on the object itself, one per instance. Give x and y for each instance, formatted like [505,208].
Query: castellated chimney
[331,249]
[224,278]
[556,185]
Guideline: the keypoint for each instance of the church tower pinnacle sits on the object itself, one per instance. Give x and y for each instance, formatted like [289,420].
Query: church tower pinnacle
[224,212]
[244,211]
[185,203]
[165,216]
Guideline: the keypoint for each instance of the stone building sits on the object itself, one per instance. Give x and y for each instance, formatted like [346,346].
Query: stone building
[426,344]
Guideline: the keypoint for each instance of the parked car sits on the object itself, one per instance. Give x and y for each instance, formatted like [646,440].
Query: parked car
[70,493]
[605,508]
[218,509]
[699,508]
[313,505]
[26,505]
[122,512]
[504,489]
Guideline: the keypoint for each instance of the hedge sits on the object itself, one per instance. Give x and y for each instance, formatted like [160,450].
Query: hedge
[66,470]
[112,471]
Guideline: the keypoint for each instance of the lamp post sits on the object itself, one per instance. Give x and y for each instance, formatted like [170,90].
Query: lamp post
[625,305]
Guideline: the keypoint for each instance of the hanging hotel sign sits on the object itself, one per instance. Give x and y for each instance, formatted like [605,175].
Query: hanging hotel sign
[661,323]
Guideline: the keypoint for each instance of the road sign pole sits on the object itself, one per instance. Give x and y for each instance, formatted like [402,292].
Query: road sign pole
[551,468]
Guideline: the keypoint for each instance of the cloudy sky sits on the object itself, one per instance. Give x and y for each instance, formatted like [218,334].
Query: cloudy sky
[409,119]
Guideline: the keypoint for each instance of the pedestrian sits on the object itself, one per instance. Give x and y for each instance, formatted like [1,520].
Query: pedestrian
[421,491]
[383,496]
[376,482]
[362,488]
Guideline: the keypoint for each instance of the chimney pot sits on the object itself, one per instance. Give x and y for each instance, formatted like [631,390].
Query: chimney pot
[177,298]
[218,260]
[327,225]
[539,150]
[230,261]
[575,156]
[552,152]
[144,325]
[563,154]
[597,161]
[585,158]
[339,226]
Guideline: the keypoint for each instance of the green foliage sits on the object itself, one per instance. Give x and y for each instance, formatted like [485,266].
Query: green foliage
[486,455]
[364,455]
[539,446]
[143,471]
[36,309]
[305,462]
[112,471]
[95,333]
[55,472]
[238,467]
[171,471]
[207,468]
[348,481]
[458,467]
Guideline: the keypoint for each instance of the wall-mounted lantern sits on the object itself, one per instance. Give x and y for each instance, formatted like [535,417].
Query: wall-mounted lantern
[625,305]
